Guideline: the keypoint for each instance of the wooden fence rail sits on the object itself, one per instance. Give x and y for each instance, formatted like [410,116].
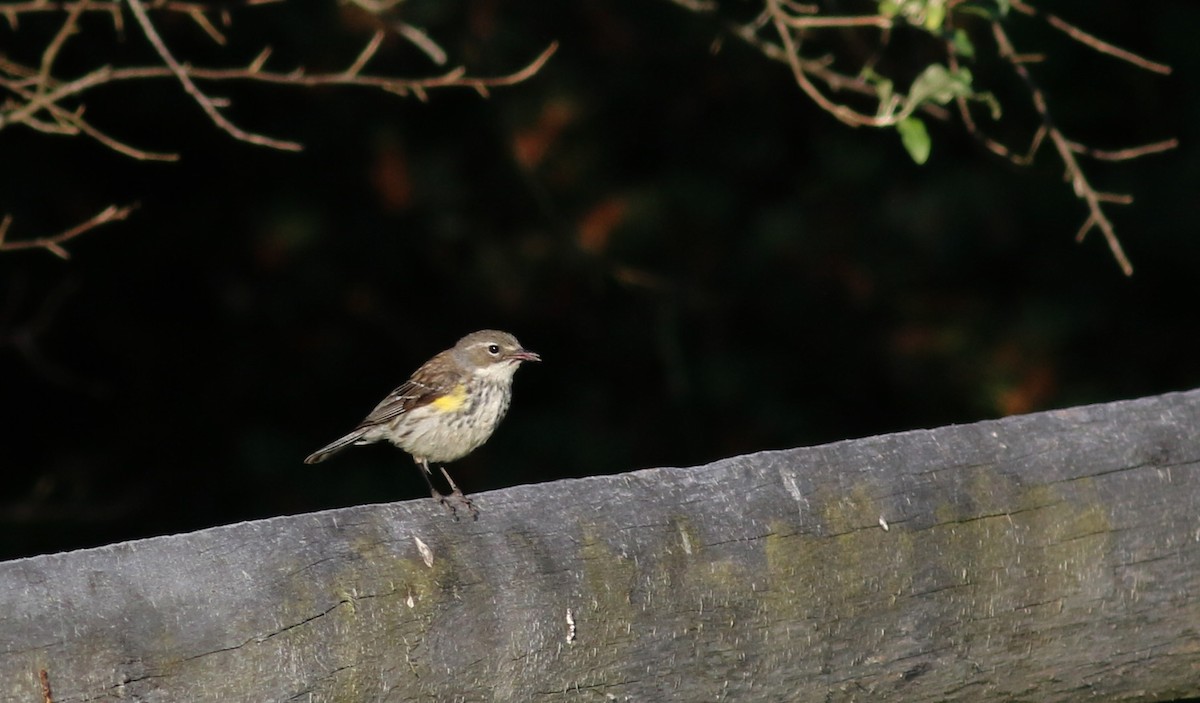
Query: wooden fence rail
[1047,557]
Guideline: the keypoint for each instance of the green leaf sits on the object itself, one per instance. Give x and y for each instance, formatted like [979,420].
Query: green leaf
[915,138]
[977,11]
[991,101]
[927,14]
[883,85]
[963,45]
[986,11]
[940,85]
[935,14]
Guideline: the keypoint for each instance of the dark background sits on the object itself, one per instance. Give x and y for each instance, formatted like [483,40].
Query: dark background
[708,264]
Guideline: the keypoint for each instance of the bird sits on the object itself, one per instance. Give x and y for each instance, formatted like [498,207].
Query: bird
[448,408]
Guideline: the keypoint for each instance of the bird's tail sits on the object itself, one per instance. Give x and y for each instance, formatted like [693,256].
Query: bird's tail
[335,446]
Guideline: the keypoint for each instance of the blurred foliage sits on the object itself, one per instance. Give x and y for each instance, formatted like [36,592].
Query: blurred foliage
[708,264]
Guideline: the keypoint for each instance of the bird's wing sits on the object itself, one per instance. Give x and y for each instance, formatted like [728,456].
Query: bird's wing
[428,383]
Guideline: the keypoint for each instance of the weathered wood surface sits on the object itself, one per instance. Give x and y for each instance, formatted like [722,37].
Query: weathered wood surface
[1049,557]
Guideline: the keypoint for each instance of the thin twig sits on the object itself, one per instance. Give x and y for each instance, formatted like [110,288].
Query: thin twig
[1091,40]
[205,103]
[1083,190]
[801,8]
[36,96]
[365,55]
[819,69]
[201,19]
[69,27]
[1123,154]
[254,72]
[890,112]
[71,123]
[196,10]
[837,22]
[844,113]
[992,145]
[76,120]
[418,38]
[110,6]
[53,243]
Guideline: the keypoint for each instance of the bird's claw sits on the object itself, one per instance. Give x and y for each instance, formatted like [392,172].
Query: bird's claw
[447,501]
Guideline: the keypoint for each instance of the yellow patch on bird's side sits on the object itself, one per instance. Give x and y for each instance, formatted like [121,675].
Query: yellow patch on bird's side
[453,400]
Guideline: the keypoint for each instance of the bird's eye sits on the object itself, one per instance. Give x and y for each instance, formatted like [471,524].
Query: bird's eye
[493,349]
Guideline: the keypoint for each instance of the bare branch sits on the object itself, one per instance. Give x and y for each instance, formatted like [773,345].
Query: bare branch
[71,122]
[1091,40]
[53,244]
[365,56]
[837,22]
[800,8]
[197,11]
[846,114]
[402,86]
[891,107]
[418,38]
[76,120]
[69,27]
[37,99]
[205,103]
[259,61]
[992,145]
[1124,154]
[819,68]
[1066,148]
[201,19]
[1083,190]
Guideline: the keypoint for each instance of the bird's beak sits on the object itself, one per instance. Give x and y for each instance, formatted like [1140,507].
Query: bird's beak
[524,355]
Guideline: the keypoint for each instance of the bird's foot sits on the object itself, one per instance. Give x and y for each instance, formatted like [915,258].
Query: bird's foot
[467,502]
[448,502]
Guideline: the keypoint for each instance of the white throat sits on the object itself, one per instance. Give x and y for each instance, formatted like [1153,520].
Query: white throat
[498,372]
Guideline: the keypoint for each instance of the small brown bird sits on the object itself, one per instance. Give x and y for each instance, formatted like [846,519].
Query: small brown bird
[446,409]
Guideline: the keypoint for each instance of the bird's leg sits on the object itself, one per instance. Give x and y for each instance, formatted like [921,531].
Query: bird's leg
[456,492]
[437,495]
